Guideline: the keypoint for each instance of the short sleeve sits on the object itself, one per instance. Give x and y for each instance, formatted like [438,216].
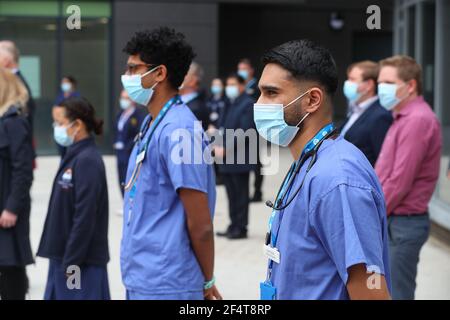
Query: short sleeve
[185,156]
[349,224]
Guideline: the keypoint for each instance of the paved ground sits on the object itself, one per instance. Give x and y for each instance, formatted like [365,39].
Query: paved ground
[240,265]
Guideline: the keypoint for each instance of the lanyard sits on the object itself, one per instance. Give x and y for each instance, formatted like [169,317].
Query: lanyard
[271,237]
[142,148]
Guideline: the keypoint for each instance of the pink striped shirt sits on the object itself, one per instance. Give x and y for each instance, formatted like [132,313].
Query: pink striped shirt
[408,164]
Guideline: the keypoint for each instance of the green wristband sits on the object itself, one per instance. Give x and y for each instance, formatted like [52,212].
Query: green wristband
[209,284]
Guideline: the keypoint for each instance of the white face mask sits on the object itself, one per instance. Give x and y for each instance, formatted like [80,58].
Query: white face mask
[270,123]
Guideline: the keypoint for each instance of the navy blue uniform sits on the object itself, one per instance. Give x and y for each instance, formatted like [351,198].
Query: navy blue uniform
[216,107]
[126,130]
[76,227]
[239,115]
[16,176]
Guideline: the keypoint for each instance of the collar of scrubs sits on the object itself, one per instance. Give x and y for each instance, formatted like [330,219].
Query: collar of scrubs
[284,189]
[142,147]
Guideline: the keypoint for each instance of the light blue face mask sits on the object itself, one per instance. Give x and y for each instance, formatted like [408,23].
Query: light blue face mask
[124,103]
[133,85]
[270,123]
[351,91]
[244,74]
[61,137]
[66,87]
[232,92]
[387,93]
[216,90]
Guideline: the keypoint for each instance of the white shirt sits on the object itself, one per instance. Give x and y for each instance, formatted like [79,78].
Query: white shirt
[357,111]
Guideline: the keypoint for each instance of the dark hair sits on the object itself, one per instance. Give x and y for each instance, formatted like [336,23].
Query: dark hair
[305,60]
[163,46]
[81,108]
[246,61]
[237,77]
[71,79]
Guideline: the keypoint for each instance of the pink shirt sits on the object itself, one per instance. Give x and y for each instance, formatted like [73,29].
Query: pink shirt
[408,164]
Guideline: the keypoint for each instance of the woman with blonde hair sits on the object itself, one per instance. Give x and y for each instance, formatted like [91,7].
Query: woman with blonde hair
[16,176]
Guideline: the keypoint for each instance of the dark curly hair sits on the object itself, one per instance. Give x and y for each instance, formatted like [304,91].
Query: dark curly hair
[163,46]
[80,108]
[305,60]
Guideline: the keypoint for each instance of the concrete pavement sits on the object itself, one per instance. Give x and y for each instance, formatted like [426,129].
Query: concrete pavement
[240,264]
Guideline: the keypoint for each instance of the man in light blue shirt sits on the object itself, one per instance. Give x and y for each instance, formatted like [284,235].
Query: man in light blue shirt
[327,235]
[167,249]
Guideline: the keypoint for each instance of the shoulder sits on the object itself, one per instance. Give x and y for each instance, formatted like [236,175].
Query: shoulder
[341,163]
[179,117]
[90,159]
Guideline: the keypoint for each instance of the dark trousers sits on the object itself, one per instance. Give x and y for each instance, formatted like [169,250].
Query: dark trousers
[407,235]
[122,167]
[258,178]
[237,187]
[13,283]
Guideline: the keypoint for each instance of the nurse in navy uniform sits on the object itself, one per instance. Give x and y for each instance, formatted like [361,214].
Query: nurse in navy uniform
[75,237]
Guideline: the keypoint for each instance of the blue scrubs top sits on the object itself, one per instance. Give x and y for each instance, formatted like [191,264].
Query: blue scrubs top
[337,220]
[156,253]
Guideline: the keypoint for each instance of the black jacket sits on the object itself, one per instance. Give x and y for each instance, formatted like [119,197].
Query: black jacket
[369,130]
[16,177]
[239,115]
[128,133]
[31,105]
[76,227]
[200,110]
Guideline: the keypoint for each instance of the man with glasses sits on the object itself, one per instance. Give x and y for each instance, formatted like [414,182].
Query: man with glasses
[167,249]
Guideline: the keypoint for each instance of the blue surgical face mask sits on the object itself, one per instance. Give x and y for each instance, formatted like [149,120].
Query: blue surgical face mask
[124,103]
[232,92]
[133,85]
[387,93]
[216,90]
[61,137]
[351,91]
[244,74]
[66,87]
[270,123]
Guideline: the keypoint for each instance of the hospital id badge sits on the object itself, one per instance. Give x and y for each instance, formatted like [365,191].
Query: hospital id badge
[140,157]
[267,291]
[272,253]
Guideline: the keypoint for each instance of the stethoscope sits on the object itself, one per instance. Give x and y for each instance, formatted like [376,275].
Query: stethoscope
[313,153]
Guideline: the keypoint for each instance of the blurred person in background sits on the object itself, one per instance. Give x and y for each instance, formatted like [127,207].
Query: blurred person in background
[216,103]
[10,59]
[408,167]
[75,236]
[16,176]
[369,122]
[235,175]
[192,95]
[246,70]
[68,89]
[128,123]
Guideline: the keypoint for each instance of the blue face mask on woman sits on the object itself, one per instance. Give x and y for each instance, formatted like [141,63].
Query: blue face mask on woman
[61,136]
[133,85]
[270,123]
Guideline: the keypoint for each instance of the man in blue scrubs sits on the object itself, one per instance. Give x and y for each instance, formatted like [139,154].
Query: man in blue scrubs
[327,233]
[167,249]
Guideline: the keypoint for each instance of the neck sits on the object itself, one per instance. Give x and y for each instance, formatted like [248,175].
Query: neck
[308,132]
[405,102]
[365,97]
[81,136]
[158,101]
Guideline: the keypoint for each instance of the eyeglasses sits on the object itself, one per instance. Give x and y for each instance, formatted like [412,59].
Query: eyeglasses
[131,68]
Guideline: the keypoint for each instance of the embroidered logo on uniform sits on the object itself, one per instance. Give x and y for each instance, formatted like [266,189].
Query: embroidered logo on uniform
[66,179]
[133,122]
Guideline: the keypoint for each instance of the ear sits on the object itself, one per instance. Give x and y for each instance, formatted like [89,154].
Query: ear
[161,73]
[412,86]
[314,99]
